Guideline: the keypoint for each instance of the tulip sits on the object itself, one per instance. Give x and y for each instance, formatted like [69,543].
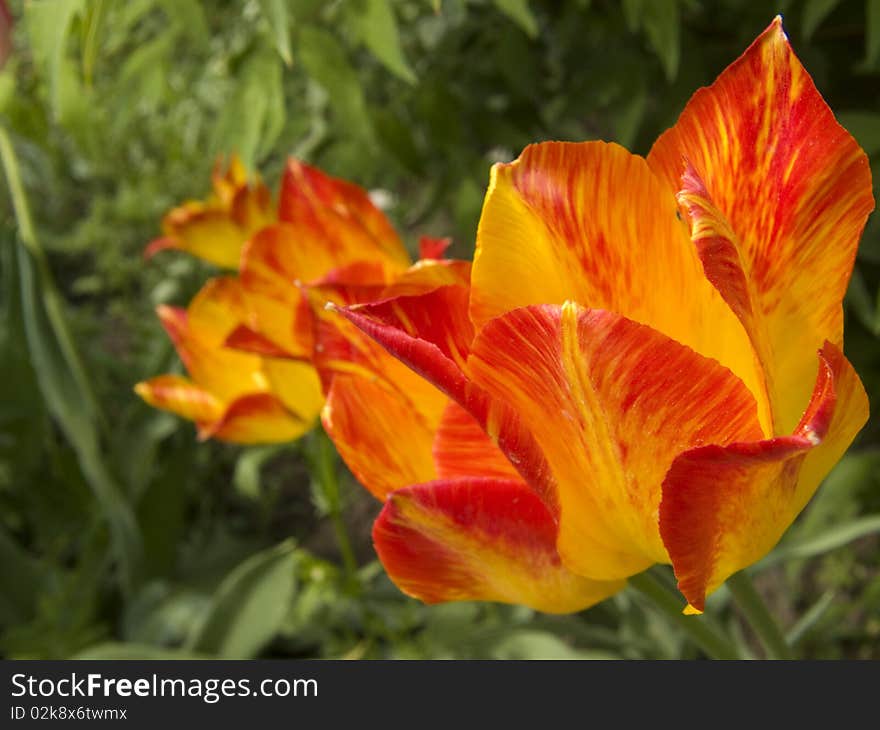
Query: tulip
[231,395]
[253,337]
[216,229]
[655,346]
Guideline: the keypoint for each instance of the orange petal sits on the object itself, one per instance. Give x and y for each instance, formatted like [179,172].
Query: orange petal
[380,435]
[338,216]
[591,223]
[789,190]
[438,317]
[611,403]
[249,340]
[256,418]
[431,334]
[428,274]
[479,539]
[180,396]
[463,449]
[725,507]
[342,349]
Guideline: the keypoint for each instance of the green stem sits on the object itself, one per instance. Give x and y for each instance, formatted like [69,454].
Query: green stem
[698,628]
[328,478]
[758,617]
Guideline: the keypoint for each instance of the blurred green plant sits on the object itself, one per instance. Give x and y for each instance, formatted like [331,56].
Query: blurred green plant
[119,535]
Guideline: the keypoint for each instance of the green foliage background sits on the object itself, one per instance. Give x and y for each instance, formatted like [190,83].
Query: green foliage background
[121,536]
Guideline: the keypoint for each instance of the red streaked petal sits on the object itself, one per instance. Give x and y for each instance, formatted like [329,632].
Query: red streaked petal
[379,434]
[790,190]
[431,334]
[180,396]
[610,403]
[592,224]
[248,340]
[725,507]
[479,539]
[428,274]
[463,449]
[438,317]
[338,216]
[433,248]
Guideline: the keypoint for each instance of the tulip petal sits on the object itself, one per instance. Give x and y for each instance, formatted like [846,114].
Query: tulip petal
[479,539]
[296,385]
[256,418]
[206,233]
[343,349]
[180,396]
[724,507]
[432,334]
[428,274]
[215,230]
[789,190]
[463,449]
[337,216]
[611,403]
[379,434]
[591,223]
[433,248]
[224,372]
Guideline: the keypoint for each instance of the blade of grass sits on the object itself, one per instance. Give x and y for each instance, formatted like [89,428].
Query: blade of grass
[60,373]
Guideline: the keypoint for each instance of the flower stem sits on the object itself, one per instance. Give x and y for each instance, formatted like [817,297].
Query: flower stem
[325,472]
[698,628]
[758,617]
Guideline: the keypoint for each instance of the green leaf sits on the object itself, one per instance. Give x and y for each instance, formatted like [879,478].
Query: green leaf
[326,62]
[815,11]
[872,33]
[60,373]
[48,24]
[661,25]
[249,606]
[247,469]
[189,17]
[809,619]
[376,25]
[259,91]
[826,542]
[865,127]
[18,569]
[632,13]
[521,14]
[859,300]
[275,12]
[94,16]
[529,644]
[116,651]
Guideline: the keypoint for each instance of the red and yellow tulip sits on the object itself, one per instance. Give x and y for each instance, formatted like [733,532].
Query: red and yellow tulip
[647,366]
[231,395]
[215,229]
[255,344]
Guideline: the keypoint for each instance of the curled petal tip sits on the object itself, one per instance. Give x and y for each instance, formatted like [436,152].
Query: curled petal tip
[691,610]
[160,244]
